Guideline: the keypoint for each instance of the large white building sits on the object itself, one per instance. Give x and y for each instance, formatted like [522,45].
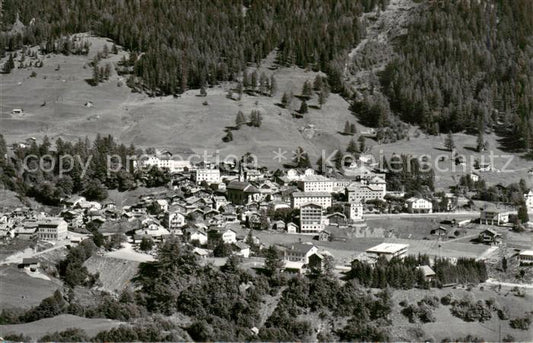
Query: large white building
[316,183]
[526,257]
[388,250]
[299,252]
[357,192]
[354,211]
[319,198]
[419,205]
[52,229]
[165,162]
[494,217]
[311,219]
[208,175]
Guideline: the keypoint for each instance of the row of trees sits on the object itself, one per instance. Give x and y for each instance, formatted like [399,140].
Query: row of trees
[49,175]
[402,273]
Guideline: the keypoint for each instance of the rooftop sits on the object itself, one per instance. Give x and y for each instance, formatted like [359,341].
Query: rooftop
[311,194]
[388,248]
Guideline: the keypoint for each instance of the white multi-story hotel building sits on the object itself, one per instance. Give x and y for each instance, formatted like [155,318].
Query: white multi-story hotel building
[208,175]
[173,165]
[319,198]
[311,219]
[52,229]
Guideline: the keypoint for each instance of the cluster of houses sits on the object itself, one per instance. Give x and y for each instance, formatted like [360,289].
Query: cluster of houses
[222,202]
[27,224]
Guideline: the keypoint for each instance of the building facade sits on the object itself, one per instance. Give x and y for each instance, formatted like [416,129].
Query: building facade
[311,219]
[52,229]
[208,175]
[319,198]
[419,205]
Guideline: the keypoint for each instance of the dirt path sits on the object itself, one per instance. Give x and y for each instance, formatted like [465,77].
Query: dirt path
[509,284]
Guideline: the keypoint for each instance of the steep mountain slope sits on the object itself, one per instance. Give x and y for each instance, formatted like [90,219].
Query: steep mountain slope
[376,50]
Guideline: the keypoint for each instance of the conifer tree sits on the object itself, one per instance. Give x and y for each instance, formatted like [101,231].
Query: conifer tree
[273,86]
[240,119]
[285,100]
[347,127]
[303,107]
[449,142]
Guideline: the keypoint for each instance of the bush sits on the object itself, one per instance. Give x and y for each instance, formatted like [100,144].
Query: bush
[69,335]
[12,337]
[446,300]
[470,311]
[520,323]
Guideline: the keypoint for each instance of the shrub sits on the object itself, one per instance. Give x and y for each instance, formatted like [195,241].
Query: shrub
[470,311]
[69,335]
[520,323]
[446,300]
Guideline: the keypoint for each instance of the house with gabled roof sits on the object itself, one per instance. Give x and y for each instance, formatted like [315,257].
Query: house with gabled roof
[242,193]
[299,252]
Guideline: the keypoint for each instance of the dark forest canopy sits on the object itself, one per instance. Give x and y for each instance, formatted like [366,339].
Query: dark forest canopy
[192,43]
[463,65]
[466,65]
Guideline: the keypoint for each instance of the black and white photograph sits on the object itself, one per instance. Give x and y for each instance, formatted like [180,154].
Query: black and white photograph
[266,171]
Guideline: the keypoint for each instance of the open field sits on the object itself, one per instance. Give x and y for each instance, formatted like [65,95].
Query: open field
[19,290]
[508,167]
[448,326]
[39,328]
[182,124]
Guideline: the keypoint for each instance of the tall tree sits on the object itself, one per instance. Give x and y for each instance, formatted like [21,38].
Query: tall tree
[449,143]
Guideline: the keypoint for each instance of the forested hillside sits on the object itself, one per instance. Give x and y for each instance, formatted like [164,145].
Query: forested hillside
[466,65]
[184,44]
[461,64]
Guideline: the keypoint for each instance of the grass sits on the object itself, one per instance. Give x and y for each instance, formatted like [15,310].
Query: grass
[183,125]
[39,328]
[448,326]
[446,173]
[114,274]
[19,290]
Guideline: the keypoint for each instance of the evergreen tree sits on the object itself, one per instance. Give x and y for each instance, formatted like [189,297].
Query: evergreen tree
[285,100]
[449,143]
[9,65]
[362,143]
[241,119]
[347,127]
[303,108]
[3,148]
[322,98]
[318,83]
[273,261]
[96,75]
[352,147]
[523,216]
[480,139]
[307,91]
[338,159]
[253,80]
[245,80]
[263,83]
[273,86]
[203,92]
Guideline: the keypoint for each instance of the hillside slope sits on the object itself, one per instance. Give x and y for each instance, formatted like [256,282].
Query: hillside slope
[59,93]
